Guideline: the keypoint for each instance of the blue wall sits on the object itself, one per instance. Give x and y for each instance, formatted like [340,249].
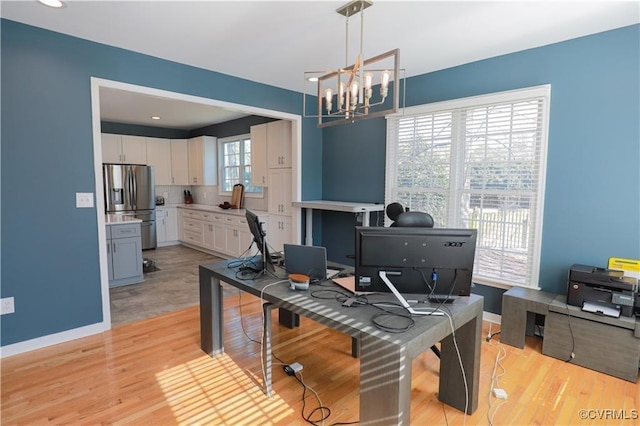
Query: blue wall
[592,200]
[50,249]
[50,259]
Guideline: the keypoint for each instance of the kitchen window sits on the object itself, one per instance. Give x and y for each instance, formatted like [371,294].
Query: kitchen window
[480,163]
[235,164]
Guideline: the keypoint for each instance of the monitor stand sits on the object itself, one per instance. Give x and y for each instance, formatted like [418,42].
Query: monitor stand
[403,301]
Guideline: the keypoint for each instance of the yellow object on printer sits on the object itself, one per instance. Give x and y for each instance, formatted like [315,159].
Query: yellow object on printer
[630,267]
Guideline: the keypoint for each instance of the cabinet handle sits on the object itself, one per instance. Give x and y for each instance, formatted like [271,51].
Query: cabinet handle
[124,157]
[109,248]
[173,180]
[114,247]
[263,179]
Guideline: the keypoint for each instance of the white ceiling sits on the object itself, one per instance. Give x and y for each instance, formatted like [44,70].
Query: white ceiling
[275,42]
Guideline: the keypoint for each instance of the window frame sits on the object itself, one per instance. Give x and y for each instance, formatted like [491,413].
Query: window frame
[456,106]
[221,165]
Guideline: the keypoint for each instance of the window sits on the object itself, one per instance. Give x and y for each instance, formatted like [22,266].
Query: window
[478,163]
[235,164]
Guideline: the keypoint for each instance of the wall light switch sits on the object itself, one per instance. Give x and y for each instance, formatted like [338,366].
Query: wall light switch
[7,306]
[84,199]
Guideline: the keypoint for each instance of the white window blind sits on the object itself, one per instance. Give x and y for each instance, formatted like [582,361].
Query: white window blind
[235,164]
[477,163]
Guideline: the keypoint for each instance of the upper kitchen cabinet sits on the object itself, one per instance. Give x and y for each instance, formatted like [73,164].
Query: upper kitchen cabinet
[179,162]
[203,162]
[159,156]
[279,144]
[259,170]
[124,149]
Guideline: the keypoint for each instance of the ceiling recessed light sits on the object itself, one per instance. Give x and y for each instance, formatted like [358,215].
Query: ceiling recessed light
[312,79]
[155,117]
[52,3]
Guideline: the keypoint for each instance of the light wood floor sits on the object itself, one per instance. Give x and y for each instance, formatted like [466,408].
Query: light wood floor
[152,371]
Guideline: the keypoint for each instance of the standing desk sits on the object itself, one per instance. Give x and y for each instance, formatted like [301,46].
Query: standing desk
[385,358]
[361,209]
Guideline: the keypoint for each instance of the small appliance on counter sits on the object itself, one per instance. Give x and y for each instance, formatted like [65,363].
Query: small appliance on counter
[159,200]
[599,290]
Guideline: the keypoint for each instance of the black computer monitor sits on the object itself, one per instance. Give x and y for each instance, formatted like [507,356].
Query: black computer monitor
[430,261]
[265,263]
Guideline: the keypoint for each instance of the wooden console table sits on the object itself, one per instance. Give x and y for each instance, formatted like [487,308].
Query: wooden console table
[605,344]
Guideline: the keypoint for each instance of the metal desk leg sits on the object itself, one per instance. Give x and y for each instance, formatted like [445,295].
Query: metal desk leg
[211,314]
[266,347]
[309,227]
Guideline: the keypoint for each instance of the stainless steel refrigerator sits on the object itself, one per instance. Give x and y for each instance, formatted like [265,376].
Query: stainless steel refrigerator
[129,190]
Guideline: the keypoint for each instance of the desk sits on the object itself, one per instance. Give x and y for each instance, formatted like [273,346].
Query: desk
[385,358]
[362,209]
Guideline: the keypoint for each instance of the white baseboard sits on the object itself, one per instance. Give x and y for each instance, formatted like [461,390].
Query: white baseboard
[52,339]
[491,317]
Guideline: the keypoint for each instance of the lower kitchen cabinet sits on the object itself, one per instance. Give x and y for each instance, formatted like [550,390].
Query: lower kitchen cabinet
[221,233]
[167,226]
[279,232]
[124,254]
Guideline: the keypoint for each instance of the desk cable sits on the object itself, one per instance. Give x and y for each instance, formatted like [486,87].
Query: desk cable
[501,354]
[572,354]
[464,374]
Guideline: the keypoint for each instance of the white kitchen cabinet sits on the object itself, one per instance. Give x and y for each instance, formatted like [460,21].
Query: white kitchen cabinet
[159,157]
[111,148]
[279,232]
[166,226]
[124,149]
[203,161]
[280,191]
[124,254]
[171,224]
[224,234]
[179,162]
[279,144]
[259,170]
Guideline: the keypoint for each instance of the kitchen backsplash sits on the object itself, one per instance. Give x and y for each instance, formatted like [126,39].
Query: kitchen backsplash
[207,195]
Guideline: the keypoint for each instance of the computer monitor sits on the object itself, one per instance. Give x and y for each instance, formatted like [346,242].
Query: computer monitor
[255,226]
[429,261]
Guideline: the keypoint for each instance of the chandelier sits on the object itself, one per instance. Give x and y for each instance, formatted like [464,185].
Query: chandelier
[368,88]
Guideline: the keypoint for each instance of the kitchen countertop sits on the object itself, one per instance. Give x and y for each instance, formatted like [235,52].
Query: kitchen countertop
[119,219]
[216,209]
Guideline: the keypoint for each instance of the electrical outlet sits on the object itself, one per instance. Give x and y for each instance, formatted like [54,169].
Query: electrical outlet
[6,306]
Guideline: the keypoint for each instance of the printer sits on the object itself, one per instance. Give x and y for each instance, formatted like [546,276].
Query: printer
[602,291]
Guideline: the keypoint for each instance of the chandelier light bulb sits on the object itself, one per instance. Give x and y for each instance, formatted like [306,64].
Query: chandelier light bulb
[328,99]
[340,95]
[368,81]
[354,93]
[384,86]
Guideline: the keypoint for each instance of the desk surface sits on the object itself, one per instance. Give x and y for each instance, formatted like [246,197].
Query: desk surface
[385,362]
[339,206]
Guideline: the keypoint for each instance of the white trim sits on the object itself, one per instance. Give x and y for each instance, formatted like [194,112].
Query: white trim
[97,83]
[453,106]
[491,317]
[543,91]
[53,339]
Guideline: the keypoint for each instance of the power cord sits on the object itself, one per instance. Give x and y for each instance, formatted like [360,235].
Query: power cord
[494,390]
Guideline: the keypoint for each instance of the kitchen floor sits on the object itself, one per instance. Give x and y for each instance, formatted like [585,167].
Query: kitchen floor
[173,287]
